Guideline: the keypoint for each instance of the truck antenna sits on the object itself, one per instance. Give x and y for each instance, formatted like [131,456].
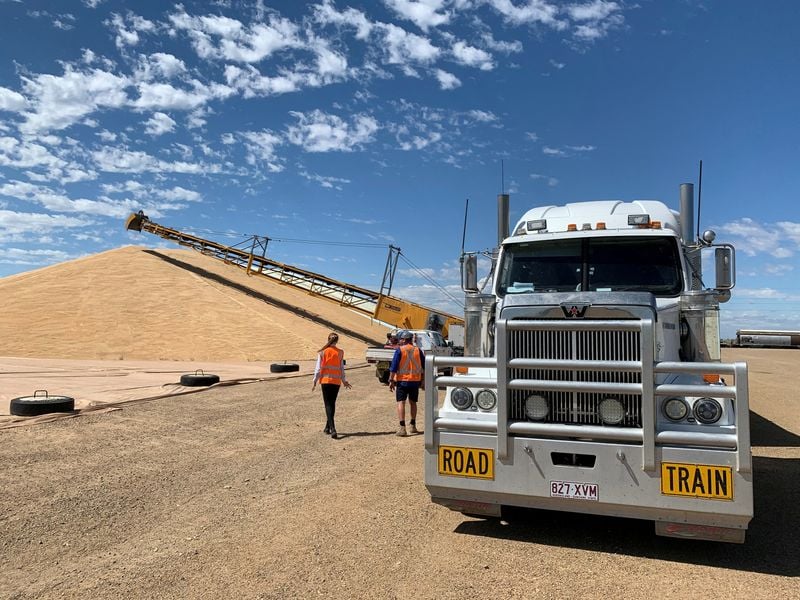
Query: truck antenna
[699,195]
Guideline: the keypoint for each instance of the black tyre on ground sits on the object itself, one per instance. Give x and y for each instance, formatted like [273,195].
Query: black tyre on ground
[384,377]
[41,403]
[198,378]
[284,367]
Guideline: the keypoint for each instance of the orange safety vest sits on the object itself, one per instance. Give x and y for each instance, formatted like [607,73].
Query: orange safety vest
[410,366]
[330,366]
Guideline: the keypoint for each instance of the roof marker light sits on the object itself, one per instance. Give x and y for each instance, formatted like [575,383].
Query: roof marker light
[655,225]
[586,227]
[638,219]
[572,227]
[537,225]
[600,226]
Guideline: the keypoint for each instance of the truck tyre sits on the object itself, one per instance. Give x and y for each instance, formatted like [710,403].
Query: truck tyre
[383,377]
[284,367]
[41,403]
[198,378]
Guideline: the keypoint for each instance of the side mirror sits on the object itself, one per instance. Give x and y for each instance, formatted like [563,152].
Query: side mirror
[469,272]
[724,259]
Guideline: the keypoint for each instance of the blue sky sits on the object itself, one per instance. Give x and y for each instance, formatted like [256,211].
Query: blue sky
[369,123]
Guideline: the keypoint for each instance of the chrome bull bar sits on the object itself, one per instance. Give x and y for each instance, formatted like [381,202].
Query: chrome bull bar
[648,389]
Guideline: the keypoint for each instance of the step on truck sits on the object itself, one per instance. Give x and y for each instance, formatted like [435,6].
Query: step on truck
[592,380]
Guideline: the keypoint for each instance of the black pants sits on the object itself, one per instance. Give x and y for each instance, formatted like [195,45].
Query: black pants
[329,393]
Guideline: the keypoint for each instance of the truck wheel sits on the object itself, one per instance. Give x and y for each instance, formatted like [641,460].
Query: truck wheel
[284,367]
[383,377]
[41,403]
[198,378]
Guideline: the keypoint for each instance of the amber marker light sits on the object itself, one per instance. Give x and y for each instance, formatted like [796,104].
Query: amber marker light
[711,377]
[462,370]
[600,226]
[572,227]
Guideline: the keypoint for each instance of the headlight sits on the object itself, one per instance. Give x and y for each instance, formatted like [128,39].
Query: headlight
[537,407]
[486,399]
[611,411]
[675,409]
[707,410]
[461,398]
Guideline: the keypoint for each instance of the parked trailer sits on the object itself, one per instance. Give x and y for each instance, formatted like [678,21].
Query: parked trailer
[767,338]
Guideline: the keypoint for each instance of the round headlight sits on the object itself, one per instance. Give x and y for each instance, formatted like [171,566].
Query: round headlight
[675,409]
[486,399]
[461,398]
[707,410]
[537,407]
[611,411]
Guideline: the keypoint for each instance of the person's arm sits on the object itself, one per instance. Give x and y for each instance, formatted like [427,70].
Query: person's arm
[316,373]
[393,369]
[422,364]
[345,383]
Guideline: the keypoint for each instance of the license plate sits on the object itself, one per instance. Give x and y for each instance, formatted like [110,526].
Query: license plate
[574,490]
[711,482]
[466,462]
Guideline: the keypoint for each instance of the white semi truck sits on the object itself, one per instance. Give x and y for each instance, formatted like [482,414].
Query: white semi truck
[592,380]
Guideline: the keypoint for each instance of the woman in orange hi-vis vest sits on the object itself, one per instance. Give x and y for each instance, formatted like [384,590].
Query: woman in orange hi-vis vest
[329,373]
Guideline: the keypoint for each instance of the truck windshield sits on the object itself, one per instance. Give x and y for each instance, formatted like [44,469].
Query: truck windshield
[641,264]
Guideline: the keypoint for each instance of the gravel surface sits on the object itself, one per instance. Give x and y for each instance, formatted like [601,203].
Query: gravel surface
[235,492]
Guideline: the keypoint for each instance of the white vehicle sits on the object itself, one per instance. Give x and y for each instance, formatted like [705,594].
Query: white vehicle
[592,379]
[430,342]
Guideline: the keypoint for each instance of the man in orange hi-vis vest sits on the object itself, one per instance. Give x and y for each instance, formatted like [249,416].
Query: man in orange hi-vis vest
[406,379]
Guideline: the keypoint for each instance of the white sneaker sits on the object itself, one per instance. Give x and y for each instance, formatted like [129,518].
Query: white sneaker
[401,431]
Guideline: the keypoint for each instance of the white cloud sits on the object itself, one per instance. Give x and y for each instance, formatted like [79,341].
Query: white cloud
[447,81]
[553,151]
[326,14]
[472,57]
[481,116]
[59,102]
[500,46]
[551,181]
[19,223]
[165,96]
[128,29]
[320,132]
[159,64]
[261,147]
[529,12]
[56,202]
[27,154]
[423,13]
[122,160]
[159,124]
[592,11]
[403,47]
[584,148]
[222,38]
[596,19]
[754,238]
[12,101]
[31,257]
[325,181]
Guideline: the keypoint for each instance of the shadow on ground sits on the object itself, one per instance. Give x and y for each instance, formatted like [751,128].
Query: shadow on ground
[764,432]
[772,544]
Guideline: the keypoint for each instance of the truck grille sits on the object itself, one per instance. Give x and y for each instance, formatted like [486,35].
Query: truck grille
[576,408]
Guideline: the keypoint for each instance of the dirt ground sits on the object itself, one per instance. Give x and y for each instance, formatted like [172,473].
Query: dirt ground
[234,492]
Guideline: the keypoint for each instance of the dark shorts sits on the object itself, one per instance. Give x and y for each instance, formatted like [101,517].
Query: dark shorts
[407,390]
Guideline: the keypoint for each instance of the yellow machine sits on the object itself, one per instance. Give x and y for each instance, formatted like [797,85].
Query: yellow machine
[383,307]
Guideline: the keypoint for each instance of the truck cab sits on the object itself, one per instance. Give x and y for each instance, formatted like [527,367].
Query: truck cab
[592,379]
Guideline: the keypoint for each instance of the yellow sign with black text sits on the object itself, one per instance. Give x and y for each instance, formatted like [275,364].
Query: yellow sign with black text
[712,482]
[466,462]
